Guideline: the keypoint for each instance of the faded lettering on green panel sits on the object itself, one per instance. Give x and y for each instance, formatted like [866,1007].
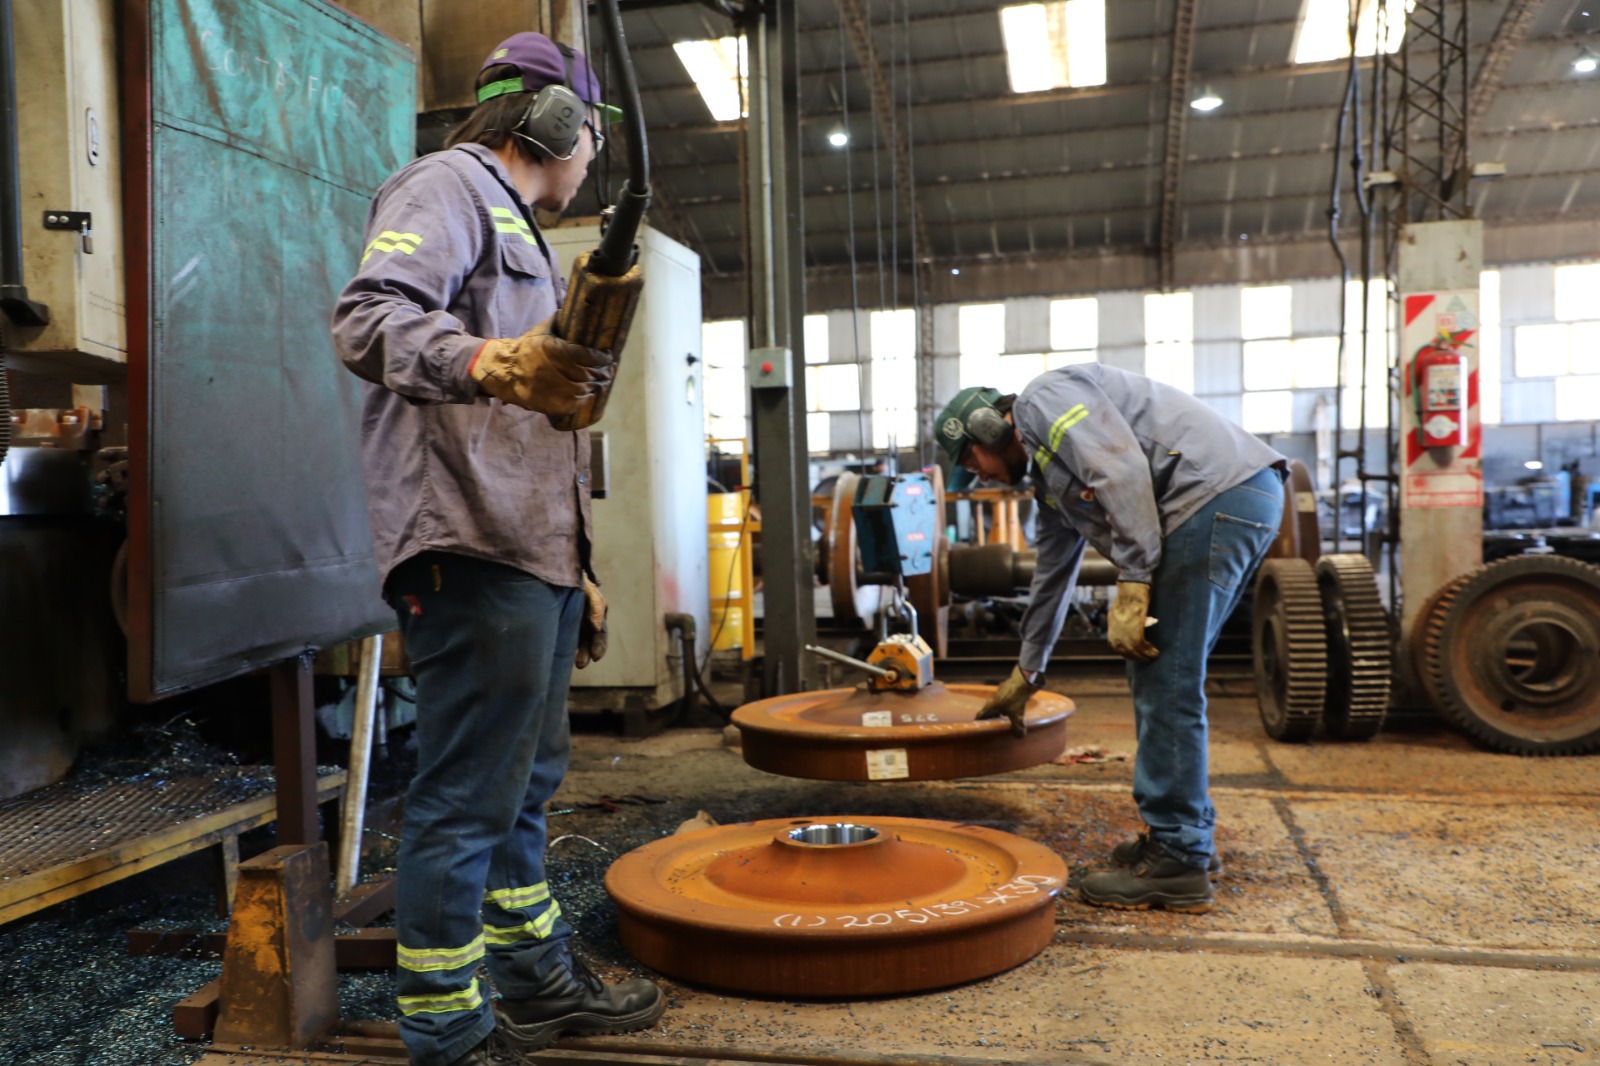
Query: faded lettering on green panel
[308,86]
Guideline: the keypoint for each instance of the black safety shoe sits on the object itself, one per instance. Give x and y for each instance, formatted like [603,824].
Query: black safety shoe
[573,1000]
[1156,880]
[493,1050]
[1129,852]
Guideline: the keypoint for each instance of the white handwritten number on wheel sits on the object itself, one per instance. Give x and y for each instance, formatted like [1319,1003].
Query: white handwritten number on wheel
[1026,885]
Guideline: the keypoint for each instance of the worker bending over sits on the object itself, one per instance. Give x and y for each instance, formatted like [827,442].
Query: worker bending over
[1185,503]
[482,531]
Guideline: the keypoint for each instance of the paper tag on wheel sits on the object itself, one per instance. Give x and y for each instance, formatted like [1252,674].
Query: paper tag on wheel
[877,719]
[888,764]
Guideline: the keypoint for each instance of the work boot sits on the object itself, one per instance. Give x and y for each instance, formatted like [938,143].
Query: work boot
[492,1050]
[572,1000]
[1157,879]
[1128,852]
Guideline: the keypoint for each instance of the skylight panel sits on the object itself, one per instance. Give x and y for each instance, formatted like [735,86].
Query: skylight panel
[1055,45]
[1324,31]
[719,69]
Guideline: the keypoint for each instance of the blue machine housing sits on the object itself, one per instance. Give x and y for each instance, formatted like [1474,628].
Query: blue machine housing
[896,523]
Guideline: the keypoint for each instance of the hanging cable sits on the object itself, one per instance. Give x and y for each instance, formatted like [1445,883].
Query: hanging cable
[1335,204]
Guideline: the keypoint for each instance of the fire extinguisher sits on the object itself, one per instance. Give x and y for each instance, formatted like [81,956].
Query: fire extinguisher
[1440,381]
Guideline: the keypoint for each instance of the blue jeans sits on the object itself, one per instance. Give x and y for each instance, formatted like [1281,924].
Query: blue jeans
[492,648]
[1205,570]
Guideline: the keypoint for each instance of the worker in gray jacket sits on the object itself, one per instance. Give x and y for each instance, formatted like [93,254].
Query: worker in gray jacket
[482,531]
[1185,503]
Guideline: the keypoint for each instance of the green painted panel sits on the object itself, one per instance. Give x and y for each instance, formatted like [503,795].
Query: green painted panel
[274,122]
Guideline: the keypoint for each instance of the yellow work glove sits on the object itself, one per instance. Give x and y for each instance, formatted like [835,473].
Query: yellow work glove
[592,636]
[1125,631]
[1010,700]
[541,372]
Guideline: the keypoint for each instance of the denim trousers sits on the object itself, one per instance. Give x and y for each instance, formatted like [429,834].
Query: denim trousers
[1205,569]
[491,647]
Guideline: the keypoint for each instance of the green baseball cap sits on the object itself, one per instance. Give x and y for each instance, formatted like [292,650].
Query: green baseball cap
[951,426]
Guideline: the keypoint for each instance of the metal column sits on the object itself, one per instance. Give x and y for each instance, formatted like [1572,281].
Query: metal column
[777,303]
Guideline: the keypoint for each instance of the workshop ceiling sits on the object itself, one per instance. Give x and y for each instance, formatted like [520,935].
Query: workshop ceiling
[1066,173]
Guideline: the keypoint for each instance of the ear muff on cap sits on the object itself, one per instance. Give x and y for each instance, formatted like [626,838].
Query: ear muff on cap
[554,120]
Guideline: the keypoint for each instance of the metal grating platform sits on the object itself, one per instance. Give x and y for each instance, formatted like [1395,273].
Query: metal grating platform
[65,840]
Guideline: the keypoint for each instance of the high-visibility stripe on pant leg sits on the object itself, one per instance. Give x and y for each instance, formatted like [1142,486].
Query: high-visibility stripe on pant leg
[469,998]
[427,960]
[534,929]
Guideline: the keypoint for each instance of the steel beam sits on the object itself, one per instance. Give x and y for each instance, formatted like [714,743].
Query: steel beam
[1177,124]
[774,228]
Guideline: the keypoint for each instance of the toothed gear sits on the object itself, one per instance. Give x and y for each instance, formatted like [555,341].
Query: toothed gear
[1360,648]
[1291,649]
[1511,654]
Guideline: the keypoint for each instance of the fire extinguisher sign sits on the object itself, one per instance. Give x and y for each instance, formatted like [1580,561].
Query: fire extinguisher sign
[1439,402]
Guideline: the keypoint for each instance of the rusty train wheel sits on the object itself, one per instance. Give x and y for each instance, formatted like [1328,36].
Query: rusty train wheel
[837,907]
[1290,648]
[1360,648]
[1512,654]
[932,735]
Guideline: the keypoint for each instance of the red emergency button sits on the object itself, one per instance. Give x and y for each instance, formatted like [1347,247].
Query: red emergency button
[766,368]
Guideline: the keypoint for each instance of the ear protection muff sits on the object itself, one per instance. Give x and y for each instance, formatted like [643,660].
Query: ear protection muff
[988,427]
[554,119]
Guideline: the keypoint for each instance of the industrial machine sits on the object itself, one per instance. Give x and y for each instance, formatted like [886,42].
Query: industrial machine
[650,550]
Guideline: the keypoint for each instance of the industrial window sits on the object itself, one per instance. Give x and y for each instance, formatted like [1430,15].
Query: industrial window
[980,338]
[1489,361]
[894,379]
[1324,30]
[816,333]
[719,69]
[1576,286]
[1382,343]
[1055,45]
[833,388]
[819,432]
[1266,311]
[722,345]
[1267,412]
[1554,349]
[1075,328]
[1169,339]
[1577,397]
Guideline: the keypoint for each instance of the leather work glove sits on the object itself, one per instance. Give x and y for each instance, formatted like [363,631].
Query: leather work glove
[539,371]
[1125,631]
[592,636]
[1010,700]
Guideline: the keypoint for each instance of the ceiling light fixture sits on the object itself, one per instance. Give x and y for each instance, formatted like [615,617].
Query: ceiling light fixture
[1587,62]
[1208,100]
[838,138]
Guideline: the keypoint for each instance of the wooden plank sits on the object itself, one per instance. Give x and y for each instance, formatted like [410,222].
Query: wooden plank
[28,893]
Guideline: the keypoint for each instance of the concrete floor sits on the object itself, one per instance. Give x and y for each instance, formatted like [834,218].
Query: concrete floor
[1407,900]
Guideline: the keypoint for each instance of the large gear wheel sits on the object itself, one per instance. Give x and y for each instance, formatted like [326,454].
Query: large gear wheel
[1512,654]
[1360,648]
[1291,649]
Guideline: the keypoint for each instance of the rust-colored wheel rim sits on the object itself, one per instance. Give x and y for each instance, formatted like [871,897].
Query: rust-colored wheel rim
[836,907]
[844,734]
[853,604]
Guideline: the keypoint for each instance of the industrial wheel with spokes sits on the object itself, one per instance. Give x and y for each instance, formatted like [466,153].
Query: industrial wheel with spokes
[1360,648]
[1291,649]
[1512,653]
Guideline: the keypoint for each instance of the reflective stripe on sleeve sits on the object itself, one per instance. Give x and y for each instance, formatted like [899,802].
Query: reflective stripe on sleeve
[391,241]
[426,960]
[1064,423]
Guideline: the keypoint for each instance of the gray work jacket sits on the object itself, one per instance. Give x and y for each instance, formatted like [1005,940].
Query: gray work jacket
[1120,461]
[451,258]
